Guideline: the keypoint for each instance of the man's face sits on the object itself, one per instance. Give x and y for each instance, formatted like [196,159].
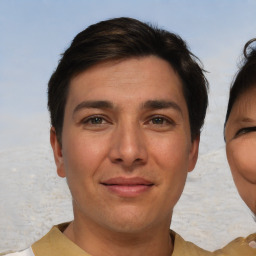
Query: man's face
[126,144]
[241,144]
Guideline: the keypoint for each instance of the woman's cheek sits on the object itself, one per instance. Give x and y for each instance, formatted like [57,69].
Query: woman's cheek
[242,159]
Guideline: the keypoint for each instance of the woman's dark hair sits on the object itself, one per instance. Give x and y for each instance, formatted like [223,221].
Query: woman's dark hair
[245,77]
[123,38]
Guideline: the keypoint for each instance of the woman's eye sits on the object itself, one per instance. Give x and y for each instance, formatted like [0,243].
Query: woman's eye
[245,130]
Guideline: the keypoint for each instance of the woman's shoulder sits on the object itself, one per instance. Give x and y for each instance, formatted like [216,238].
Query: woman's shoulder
[239,246]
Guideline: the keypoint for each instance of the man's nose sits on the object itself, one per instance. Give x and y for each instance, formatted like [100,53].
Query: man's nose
[128,146]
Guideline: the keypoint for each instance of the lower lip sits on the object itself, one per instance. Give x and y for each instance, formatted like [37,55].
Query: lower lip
[128,191]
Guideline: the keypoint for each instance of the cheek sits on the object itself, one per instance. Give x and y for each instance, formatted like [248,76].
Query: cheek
[242,159]
[82,160]
[172,152]
[82,155]
[171,155]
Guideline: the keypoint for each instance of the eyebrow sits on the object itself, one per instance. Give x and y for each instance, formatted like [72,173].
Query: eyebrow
[161,104]
[247,120]
[150,104]
[244,120]
[93,104]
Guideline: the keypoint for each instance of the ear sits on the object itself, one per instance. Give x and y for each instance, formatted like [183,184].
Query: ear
[193,154]
[57,152]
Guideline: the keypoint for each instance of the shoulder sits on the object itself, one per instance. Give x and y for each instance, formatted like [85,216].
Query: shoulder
[239,246]
[27,252]
[185,248]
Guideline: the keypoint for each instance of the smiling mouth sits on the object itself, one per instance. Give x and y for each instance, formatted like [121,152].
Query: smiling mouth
[127,187]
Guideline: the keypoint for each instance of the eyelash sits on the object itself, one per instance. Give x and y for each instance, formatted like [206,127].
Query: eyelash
[164,119]
[91,118]
[245,130]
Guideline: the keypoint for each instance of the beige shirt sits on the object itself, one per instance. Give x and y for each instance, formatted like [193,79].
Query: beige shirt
[56,243]
[239,247]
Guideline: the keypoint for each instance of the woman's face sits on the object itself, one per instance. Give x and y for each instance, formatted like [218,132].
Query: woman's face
[240,135]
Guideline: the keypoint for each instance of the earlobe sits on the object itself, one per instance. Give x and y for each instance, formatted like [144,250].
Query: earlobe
[57,152]
[193,154]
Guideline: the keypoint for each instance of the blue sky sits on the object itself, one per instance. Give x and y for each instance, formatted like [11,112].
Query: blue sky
[34,33]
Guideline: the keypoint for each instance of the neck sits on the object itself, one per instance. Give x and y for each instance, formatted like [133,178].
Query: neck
[103,242]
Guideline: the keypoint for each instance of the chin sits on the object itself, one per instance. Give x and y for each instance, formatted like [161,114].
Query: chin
[131,223]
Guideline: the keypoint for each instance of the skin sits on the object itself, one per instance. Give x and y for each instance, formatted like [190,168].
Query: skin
[125,121]
[240,135]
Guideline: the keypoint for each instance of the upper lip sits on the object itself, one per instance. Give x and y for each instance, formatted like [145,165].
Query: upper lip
[128,181]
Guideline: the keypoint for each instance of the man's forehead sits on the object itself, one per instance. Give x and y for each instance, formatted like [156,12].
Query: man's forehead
[157,86]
